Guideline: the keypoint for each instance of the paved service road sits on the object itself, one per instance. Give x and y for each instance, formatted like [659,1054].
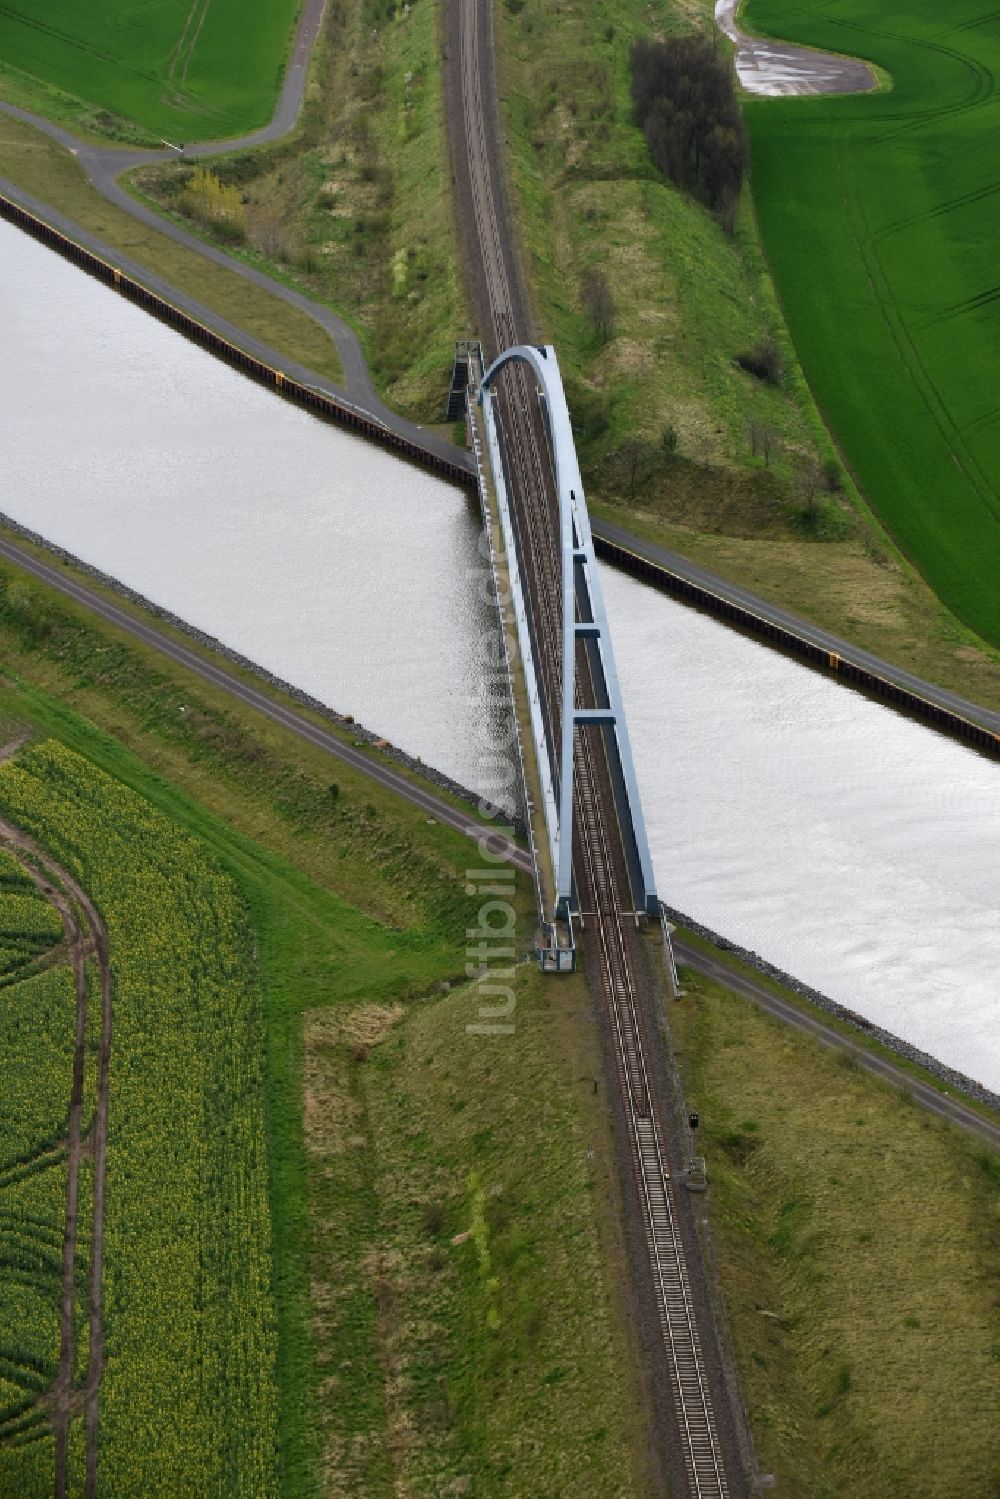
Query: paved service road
[945,1106]
[207,668]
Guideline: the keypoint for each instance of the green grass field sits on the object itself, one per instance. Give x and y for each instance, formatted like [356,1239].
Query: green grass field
[880,216]
[858,1243]
[187,69]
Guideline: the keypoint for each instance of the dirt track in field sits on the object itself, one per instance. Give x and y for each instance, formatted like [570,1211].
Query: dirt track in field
[68,897]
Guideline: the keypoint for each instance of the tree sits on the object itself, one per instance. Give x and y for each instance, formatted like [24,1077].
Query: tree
[761,441]
[685,101]
[635,462]
[809,485]
[598,303]
[269,235]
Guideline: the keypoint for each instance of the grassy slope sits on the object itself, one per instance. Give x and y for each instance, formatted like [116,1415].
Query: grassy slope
[498,1356]
[892,195]
[688,300]
[356,209]
[39,166]
[225,79]
[859,1247]
[360,902]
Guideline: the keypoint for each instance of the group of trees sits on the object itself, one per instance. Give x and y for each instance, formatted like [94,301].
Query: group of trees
[685,102]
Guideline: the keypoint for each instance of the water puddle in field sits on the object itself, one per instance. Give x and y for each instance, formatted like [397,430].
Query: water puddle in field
[851,847]
[780,69]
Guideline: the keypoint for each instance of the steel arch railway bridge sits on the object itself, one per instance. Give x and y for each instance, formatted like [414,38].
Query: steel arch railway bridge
[585,692]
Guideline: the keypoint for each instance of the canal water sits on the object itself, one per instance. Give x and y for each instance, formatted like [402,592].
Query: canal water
[846,844]
[325,559]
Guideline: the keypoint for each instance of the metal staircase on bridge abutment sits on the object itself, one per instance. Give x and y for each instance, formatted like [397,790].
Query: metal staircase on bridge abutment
[467,350]
[548,773]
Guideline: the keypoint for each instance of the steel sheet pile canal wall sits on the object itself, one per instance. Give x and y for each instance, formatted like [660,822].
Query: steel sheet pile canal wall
[772,633]
[321,404]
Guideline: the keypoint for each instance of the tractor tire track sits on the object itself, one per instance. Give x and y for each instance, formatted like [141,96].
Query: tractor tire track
[69,39]
[67,896]
[910,357]
[964,201]
[183,53]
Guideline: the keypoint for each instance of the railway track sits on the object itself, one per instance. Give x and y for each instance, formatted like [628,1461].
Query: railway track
[600,869]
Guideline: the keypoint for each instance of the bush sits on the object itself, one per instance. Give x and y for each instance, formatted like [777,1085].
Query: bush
[215,203]
[634,465]
[433,1219]
[230,231]
[832,477]
[588,410]
[685,101]
[269,235]
[764,361]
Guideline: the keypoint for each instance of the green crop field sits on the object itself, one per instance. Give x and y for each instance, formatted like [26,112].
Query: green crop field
[188,69]
[37,1044]
[881,217]
[188,1397]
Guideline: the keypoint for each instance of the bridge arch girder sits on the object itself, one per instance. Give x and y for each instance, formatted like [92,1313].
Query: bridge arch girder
[578,572]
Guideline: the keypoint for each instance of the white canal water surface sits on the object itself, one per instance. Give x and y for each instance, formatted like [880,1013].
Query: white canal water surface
[323,558]
[851,847]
